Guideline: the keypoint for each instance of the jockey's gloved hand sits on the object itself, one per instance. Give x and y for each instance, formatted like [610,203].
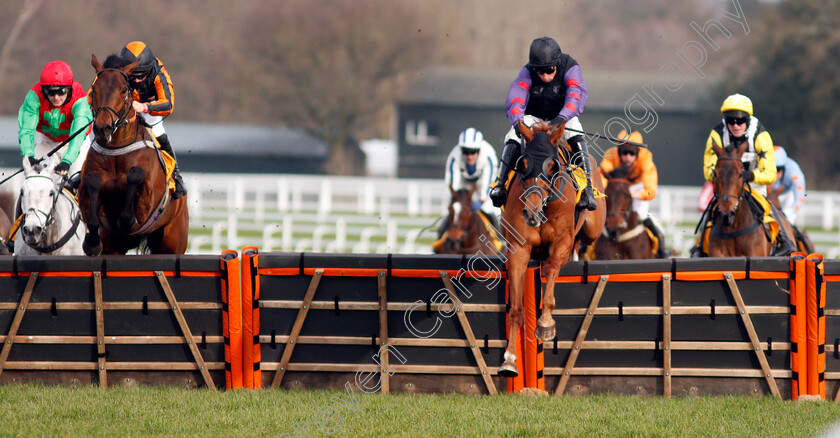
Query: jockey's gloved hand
[557,120]
[516,130]
[62,167]
[749,177]
[33,161]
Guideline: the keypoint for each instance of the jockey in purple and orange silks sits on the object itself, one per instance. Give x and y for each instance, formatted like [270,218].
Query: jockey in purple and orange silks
[550,87]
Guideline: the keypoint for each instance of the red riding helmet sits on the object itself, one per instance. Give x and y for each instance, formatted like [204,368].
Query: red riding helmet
[57,73]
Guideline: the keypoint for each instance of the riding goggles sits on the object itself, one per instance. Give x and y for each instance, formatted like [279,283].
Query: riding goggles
[467,151]
[56,91]
[736,120]
[545,70]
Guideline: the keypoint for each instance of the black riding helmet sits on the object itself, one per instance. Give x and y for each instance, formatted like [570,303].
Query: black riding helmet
[138,51]
[545,52]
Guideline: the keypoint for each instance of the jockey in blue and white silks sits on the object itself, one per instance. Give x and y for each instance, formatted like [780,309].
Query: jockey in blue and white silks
[791,181]
[472,163]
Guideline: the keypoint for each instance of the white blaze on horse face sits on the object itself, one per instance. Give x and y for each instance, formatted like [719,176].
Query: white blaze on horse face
[456,210]
[37,203]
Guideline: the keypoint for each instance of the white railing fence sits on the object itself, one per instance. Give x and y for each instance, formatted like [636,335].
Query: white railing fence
[358,214]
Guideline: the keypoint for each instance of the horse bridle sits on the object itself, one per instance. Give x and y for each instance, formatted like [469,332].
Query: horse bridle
[627,211]
[463,236]
[49,218]
[724,196]
[121,116]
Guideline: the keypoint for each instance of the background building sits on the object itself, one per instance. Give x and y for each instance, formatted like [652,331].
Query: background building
[443,101]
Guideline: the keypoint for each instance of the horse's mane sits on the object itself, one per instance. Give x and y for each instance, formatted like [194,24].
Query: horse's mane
[618,173]
[115,61]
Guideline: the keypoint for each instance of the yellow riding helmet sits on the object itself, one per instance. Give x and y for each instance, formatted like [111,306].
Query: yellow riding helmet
[737,103]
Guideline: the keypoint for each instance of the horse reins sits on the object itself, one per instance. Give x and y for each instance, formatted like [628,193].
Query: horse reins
[49,219]
[743,231]
[122,119]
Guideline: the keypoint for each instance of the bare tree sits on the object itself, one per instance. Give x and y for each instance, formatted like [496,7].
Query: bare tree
[29,9]
[330,64]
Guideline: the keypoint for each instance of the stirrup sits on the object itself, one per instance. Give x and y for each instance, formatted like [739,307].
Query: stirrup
[587,200]
[180,189]
[696,252]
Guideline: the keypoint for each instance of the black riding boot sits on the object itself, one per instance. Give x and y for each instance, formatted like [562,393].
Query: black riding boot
[498,194]
[180,188]
[697,250]
[578,145]
[72,184]
[662,252]
[786,244]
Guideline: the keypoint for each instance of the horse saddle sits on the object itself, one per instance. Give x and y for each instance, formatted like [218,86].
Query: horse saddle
[578,176]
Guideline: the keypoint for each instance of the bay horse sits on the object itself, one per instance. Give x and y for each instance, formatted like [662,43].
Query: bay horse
[124,194]
[625,236]
[51,223]
[736,232]
[801,237]
[541,222]
[465,226]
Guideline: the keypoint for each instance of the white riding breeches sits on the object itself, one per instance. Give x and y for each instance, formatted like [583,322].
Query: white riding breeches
[44,144]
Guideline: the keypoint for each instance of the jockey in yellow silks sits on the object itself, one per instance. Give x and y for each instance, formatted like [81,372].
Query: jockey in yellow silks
[739,125]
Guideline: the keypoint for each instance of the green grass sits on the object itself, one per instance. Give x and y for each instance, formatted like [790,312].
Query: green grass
[37,410]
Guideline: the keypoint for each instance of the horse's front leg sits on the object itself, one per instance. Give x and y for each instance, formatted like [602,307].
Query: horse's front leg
[516,315]
[558,257]
[92,245]
[128,218]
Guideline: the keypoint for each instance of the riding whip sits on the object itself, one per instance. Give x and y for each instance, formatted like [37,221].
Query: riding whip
[614,140]
[55,149]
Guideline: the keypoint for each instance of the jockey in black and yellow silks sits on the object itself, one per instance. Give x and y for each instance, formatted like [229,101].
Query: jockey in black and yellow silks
[759,156]
[739,125]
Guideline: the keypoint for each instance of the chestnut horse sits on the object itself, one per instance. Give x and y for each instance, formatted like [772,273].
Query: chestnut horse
[624,236]
[541,222]
[465,227]
[801,237]
[736,232]
[124,193]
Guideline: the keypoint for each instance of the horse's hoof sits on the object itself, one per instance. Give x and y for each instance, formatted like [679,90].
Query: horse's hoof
[92,246]
[508,369]
[545,334]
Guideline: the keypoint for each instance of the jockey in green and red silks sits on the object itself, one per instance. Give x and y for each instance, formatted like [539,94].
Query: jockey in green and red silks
[550,87]
[53,108]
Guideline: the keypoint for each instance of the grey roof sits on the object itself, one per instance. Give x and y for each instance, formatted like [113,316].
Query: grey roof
[207,138]
[217,139]
[608,90]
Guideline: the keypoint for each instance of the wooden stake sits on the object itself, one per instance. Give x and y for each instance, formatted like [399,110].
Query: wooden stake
[290,344]
[185,329]
[21,309]
[666,334]
[745,317]
[100,329]
[584,327]
[383,332]
[465,325]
